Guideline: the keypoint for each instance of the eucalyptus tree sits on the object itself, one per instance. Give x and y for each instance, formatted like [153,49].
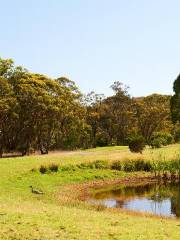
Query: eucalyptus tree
[152,114]
[120,113]
[8,107]
[175,101]
[71,124]
[93,103]
[8,114]
[37,112]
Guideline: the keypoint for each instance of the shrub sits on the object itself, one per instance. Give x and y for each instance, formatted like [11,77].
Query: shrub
[160,139]
[43,169]
[101,140]
[129,166]
[177,132]
[156,143]
[136,144]
[117,165]
[141,165]
[53,167]
[101,164]
[68,168]
[169,138]
[85,165]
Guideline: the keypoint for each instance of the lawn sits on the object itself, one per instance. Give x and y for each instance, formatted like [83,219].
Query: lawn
[24,215]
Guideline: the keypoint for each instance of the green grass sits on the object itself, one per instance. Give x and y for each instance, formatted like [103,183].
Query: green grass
[27,216]
[109,148]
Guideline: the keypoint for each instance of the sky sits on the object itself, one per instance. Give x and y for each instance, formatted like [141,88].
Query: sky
[96,42]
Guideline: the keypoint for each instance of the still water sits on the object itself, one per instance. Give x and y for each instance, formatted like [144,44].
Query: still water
[160,199]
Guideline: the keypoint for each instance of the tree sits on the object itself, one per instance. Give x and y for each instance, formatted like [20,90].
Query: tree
[37,112]
[93,103]
[136,144]
[175,101]
[159,139]
[41,113]
[120,114]
[72,129]
[152,114]
[8,107]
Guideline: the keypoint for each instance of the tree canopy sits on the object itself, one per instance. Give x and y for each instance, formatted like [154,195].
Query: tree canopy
[175,101]
[41,113]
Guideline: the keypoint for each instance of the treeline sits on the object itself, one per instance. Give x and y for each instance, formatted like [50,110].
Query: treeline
[41,113]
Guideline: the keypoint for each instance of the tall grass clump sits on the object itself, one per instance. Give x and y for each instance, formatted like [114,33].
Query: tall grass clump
[141,165]
[166,169]
[43,169]
[132,165]
[99,164]
[117,165]
[49,168]
[53,167]
[129,166]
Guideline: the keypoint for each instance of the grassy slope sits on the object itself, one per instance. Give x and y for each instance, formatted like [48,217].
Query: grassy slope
[27,216]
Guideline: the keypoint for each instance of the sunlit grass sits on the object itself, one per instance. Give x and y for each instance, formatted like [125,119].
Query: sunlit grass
[27,216]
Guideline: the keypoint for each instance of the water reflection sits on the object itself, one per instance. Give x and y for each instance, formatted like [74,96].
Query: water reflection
[160,199]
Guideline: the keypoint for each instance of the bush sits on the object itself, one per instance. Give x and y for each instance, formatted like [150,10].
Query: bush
[101,140]
[43,169]
[129,166]
[53,167]
[136,144]
[160,139]
[176,132]
[68,168]
[132,165]
[156,143]
[141,165]
[169,138]
[99,164]
[117,165]
[85,165]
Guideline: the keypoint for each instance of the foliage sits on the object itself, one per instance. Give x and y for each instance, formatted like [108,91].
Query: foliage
[160,139]
[53,167]
[176,132]
[152,114]
[132,165]
[101,139]
[136,144]
[141,165]
[119,115]
[43,169]
[175,101]
[117,165]
[99,164]
[39,113]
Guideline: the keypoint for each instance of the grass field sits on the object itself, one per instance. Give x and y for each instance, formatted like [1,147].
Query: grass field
[24,215]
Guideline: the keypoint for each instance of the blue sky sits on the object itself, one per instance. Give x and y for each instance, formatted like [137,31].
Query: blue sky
[96,42]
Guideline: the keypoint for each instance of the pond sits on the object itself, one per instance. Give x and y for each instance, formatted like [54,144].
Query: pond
[160,199]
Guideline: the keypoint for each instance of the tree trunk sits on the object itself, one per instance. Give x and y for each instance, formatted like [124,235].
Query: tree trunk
[1,153]
[43,150]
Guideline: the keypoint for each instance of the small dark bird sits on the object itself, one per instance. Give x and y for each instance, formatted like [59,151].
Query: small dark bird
[35,191]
